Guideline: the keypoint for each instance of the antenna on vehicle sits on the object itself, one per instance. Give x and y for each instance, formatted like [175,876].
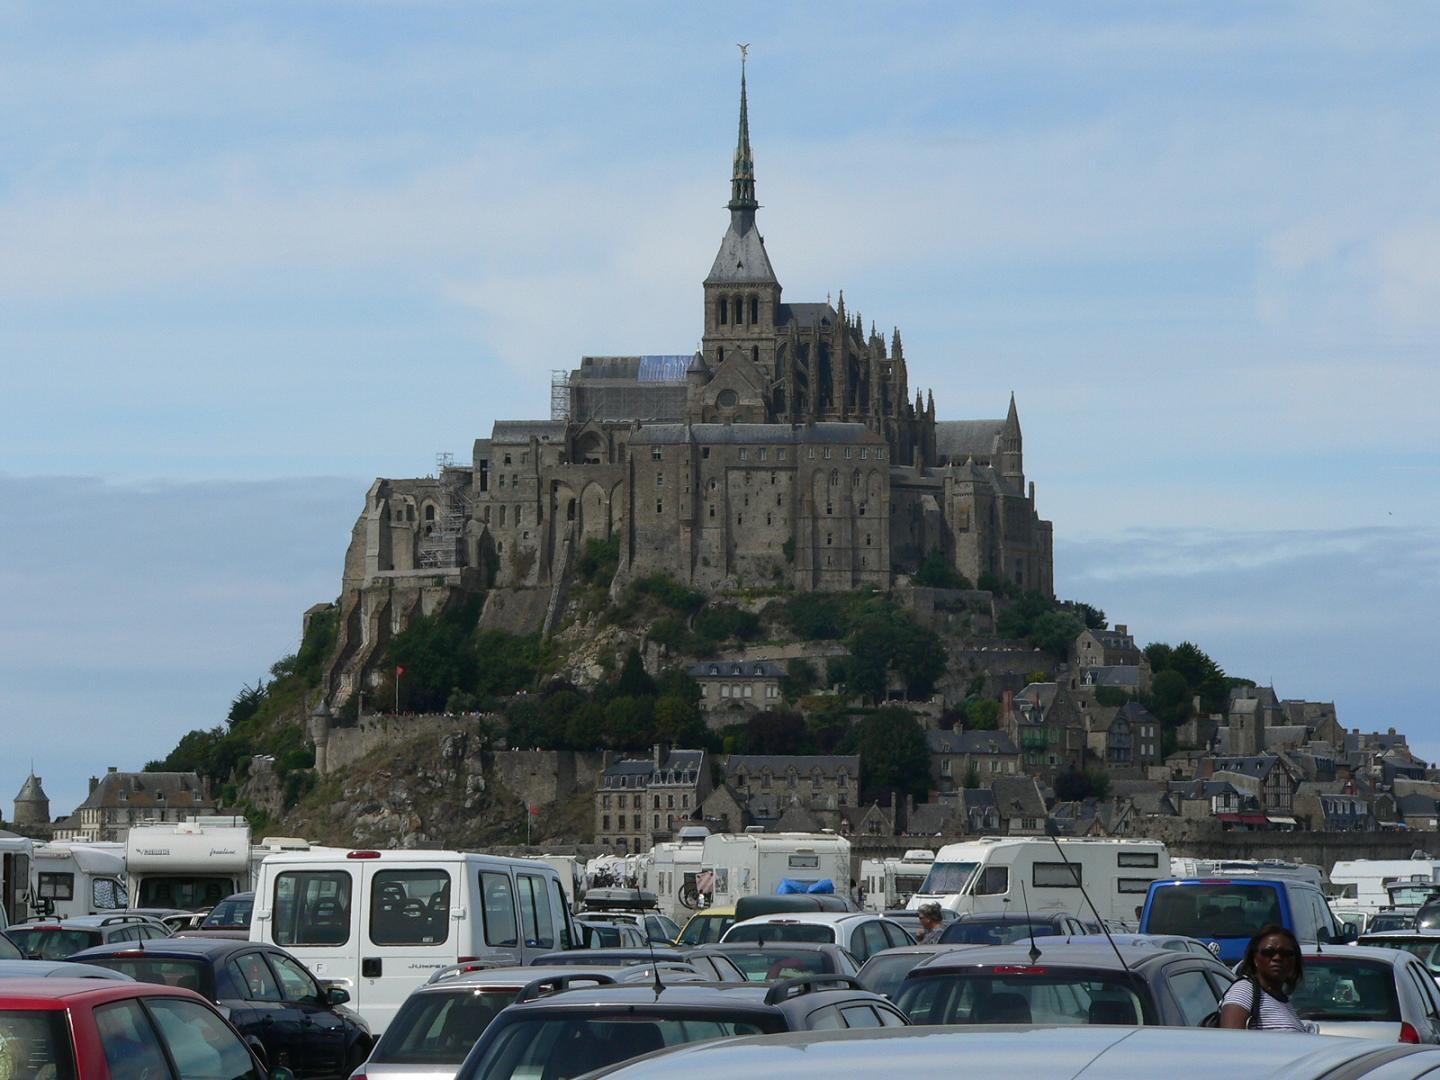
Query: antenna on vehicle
[654,966]
[1034,949]
[1052,831]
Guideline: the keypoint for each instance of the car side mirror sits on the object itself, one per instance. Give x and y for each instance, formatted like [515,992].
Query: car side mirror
[1348,934]
[336,995]
[282,1073]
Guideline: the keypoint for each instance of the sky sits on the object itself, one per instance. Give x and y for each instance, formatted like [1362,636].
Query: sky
[254,255]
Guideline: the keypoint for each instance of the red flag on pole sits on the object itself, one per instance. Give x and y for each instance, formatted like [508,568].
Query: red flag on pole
[399,671]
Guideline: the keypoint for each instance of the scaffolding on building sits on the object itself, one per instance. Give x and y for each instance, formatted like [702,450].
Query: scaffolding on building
[440,545]
[559,394]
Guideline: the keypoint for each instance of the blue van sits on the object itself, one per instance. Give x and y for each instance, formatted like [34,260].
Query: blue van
[1228,912]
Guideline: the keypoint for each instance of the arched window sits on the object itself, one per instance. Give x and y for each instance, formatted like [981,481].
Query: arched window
[502,515]
[739,312]
[855,478]
[834,477]
[430,513]
[755,354]
[722,311]
[754,309]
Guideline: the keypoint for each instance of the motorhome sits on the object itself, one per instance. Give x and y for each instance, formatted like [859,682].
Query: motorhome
[191,865]
[733,865]
[572,877]
[1271,869]
[889,883]
[1013,874]
[672,870]
[379,922]
[72,877]
[15,852]
[1361,882]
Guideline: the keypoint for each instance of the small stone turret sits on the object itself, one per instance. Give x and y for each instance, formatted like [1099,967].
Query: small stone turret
[32,805]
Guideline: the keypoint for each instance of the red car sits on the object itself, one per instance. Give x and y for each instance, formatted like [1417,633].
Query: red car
[85,1029]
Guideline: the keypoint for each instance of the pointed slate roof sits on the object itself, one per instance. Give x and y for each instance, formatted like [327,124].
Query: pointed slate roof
[742,258]
[31,791]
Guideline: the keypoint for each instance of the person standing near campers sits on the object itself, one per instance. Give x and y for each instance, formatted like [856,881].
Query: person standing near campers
[930,923]
[1269,972]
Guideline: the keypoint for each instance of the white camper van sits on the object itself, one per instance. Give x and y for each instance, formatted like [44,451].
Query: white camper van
[889,883]
[672,870]
[72,878]
[1010,873]
[379,922]
[15,852]
[191,865]
[1362,881]
[755,863]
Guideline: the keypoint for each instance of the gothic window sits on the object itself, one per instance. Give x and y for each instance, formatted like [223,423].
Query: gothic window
[429,513]
[410,513]
[502,515]
[739,311]
[727,399]
[755,354]
[754,310]
[722,311]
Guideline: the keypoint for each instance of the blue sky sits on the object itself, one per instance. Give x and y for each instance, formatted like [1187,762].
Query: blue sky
[252,256]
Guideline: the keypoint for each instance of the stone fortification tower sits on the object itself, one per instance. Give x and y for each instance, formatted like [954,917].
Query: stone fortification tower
[32,805]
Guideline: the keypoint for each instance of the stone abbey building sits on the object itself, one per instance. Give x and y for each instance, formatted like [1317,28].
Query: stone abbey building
[788,450]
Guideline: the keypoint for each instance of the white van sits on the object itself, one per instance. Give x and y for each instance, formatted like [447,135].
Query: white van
[15,852]
[755,863]
[75,878]
[191,865]
[1012,873]
[889,883]
[379,922]
[1363,880]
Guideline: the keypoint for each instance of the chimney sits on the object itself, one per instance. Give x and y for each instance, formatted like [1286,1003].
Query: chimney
[111,769]
[655,751]
[94,783]
[1007,703]
[1121,628]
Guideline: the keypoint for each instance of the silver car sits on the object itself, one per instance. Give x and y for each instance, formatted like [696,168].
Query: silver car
[438,1024]
[1055,1053]
[1368,993]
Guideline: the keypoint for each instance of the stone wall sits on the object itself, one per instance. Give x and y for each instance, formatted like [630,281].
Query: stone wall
[546,777]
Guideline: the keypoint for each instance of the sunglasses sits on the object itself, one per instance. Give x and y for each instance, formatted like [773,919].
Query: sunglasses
[1282,954]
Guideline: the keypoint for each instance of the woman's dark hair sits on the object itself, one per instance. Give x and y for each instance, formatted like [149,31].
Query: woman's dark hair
[1246,967]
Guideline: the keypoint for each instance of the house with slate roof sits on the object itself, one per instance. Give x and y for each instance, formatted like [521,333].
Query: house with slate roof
[638,801]
[953,754]
[119,800]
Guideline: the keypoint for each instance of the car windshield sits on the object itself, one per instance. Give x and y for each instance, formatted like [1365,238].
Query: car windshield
[777,962]
[705,929]
[779,931]
[1340,988]
[9,950]
[163,971]
[563,1047]
[232,913]
[1024,994]
[985,932]
[1391,921]
[439,1028]
[191,891]
[1427,950]
[35,1045]
[53,942]
[947,877]
[1213,911]
[884,972]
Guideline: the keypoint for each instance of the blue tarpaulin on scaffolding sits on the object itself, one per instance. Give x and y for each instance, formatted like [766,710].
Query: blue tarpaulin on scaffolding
[790,886]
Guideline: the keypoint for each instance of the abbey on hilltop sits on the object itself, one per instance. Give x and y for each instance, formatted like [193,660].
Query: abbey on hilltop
[788,450]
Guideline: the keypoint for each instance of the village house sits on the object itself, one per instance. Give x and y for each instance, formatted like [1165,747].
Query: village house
[119,800]
[636,801]
[1043,721]
[958,756]
[767,785]
[743,685]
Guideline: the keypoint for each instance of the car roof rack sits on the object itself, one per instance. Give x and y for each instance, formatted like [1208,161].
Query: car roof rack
[809,984]
[111,920]
[553,984]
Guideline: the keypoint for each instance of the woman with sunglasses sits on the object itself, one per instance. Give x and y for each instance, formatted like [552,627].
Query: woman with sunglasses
[1268,974]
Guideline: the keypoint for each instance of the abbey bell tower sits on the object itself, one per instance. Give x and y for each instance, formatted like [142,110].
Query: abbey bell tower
[742,295]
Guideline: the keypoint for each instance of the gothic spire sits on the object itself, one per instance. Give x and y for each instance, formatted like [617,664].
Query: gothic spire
[742,181]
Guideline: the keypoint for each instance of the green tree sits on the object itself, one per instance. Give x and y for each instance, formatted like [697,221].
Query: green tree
[1170,697]
[886,638]
[778,733]
[983,714]
[817,616]
[1099,781]
[1093,617]
[634,681]
[246,703]
[505,663]
[972,777]
[936,572]
[726,622]
[800,679]
[629,723]
[678,722]
[1055,632]
[599,560]
[1112,697]
[828,728]
[893,754]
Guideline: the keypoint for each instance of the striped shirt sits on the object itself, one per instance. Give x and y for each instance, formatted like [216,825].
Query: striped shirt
[1275,1015]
